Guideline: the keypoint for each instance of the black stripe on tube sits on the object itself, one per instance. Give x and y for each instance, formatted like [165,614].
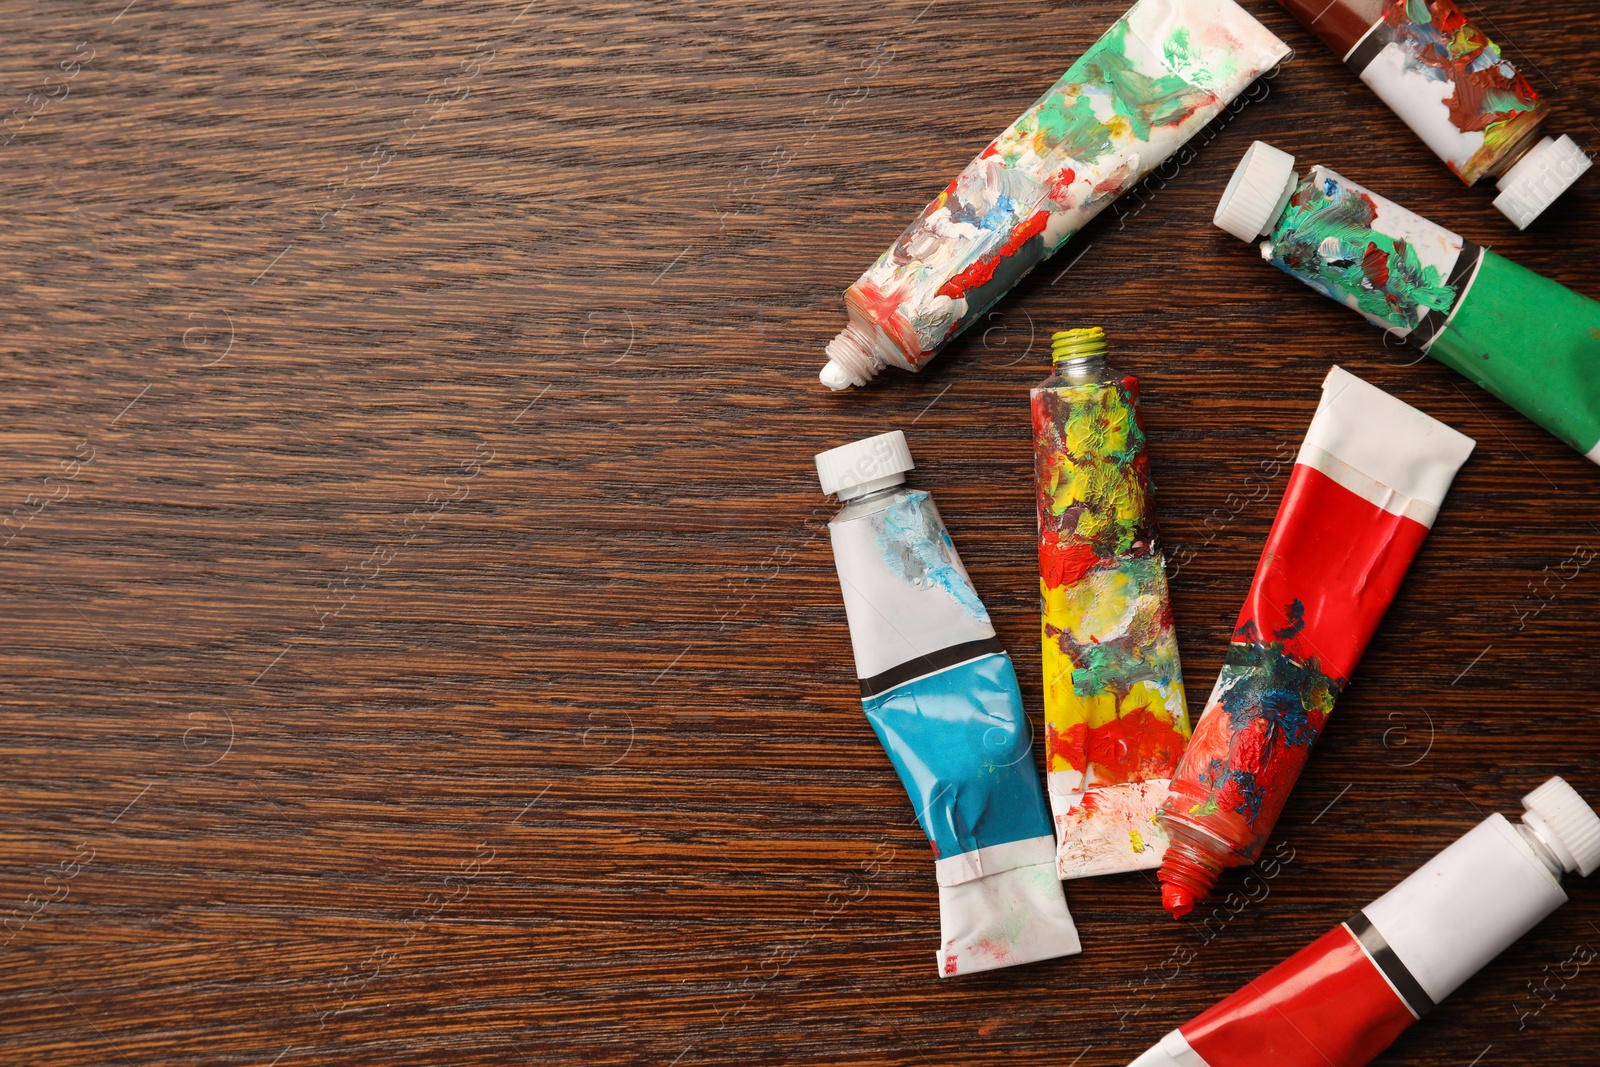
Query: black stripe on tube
[1410,989]
[933,661]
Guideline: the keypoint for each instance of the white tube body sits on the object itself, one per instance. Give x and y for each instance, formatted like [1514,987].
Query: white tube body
[1466,906]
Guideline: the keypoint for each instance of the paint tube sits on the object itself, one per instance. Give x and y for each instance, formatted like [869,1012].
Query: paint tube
[1115,721]
[1343,999]
[1530,341]
[1366,486]
[942,696]
[1450,83]
[1163,70]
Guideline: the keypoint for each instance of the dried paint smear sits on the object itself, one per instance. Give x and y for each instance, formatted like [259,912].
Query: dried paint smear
[1451,84]
[917,548]
[1391,265]
[1274,707]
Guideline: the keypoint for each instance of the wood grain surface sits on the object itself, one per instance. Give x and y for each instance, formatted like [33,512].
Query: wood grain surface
[421,645]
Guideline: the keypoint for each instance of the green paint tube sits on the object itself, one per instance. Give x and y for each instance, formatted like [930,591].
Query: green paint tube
[1530,341]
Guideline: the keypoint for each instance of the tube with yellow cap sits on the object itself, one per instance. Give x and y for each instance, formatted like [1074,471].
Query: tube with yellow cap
[1115,720]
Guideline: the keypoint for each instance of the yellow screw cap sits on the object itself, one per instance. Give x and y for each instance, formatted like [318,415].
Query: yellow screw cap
[1077,344]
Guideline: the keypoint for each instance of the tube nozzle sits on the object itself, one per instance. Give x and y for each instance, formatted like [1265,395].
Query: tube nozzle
[851,360]
[1187,876]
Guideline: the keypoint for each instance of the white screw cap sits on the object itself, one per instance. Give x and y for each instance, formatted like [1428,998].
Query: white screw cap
[864,466]
[1547,171]
[1565,822]
[1261,185]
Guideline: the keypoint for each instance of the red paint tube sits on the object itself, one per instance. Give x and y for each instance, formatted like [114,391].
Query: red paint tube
[1343,999]
[1366,486]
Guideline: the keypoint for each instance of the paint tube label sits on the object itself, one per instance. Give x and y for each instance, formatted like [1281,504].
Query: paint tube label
[1449,83]
[923,641]
[1325,1006]
[1533,343]
[1115,716]
[943,698]
[1163,70]
[1463,908]
[1401,271]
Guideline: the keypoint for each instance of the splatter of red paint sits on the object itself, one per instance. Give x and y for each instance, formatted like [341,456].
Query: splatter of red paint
[1060,189]
[981,271]
[1064,564]
[1488,94]
[1375,264]
[1134,747]
[883,309]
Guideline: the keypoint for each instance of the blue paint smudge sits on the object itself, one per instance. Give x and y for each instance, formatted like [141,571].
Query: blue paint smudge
[917,549]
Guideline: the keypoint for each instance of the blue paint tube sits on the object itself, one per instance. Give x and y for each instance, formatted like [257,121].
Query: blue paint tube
[942,696]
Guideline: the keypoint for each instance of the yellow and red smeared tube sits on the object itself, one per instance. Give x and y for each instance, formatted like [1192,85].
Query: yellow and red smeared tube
[1163,70]
[1114,714]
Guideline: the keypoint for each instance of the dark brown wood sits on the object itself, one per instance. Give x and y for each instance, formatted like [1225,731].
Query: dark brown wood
[420,646]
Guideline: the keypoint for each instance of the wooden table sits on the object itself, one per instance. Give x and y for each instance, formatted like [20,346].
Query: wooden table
[421,641]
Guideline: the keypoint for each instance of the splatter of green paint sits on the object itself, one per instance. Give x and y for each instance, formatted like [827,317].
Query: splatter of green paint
[1326,237]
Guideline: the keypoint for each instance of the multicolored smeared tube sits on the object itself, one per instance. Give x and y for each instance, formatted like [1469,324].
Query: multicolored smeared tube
[1115,720]
[942,696]
[1163,70]
[1367,484]
[1530,341]
[1452,85]
[1343,999]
